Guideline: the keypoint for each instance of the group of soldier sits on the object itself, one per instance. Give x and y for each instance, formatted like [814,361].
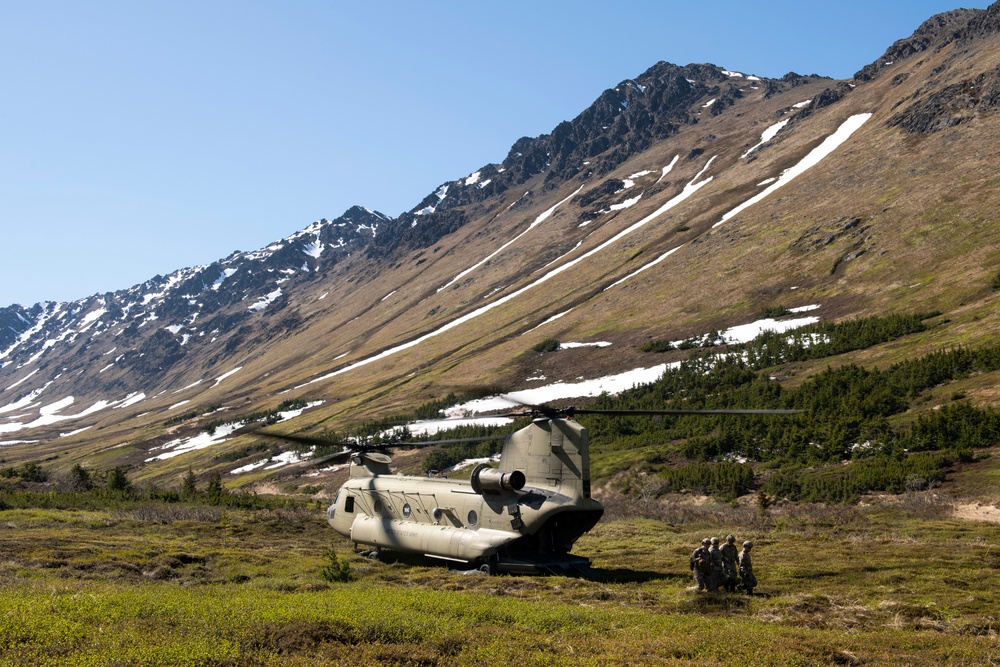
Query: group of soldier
[717,567]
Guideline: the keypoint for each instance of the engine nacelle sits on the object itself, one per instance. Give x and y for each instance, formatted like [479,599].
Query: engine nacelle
[488,480]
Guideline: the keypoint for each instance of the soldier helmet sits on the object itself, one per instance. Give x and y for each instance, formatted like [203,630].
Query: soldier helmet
[748,544]
[730,538]
[706,541]
[715,540]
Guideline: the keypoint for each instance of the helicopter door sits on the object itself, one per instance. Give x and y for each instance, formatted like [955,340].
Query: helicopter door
[551,460]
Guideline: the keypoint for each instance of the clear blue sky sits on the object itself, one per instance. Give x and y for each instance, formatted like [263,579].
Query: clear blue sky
[137,138]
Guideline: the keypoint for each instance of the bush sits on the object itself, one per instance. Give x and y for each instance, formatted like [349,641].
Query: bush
[547,345]
[215,490]
[335,570]
[726,481]
[658,346]
[774,312]
[839,484]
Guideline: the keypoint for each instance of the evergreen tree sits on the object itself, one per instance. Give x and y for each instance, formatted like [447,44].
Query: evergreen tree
[215,491]
[32,472]
[189,486]
[118,482]
[80,478]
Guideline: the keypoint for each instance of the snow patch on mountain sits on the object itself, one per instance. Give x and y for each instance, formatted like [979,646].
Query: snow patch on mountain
[50,311]
[539,220]
[314,249]
[815,156]
[666,170]
[628,203]
[265,301]
[226,375]
[643,268]
[767,135]
[200,441]
[49,414]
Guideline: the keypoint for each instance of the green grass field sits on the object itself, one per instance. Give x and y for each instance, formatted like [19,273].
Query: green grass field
[898,582]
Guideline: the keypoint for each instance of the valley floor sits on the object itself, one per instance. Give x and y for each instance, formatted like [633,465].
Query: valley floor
[900,582]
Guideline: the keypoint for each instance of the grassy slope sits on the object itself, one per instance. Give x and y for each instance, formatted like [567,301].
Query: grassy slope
[930,243]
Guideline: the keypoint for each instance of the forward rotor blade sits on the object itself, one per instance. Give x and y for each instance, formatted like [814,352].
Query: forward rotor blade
[356,446]
[628,413]
[306,465]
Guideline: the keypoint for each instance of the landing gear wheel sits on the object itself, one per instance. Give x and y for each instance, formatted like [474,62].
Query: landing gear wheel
[488,569]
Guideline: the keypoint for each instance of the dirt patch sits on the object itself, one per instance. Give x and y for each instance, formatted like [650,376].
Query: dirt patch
[977,512]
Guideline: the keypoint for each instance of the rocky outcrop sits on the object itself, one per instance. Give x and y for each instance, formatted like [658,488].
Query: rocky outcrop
[952,105]
[984,23]
[14,321]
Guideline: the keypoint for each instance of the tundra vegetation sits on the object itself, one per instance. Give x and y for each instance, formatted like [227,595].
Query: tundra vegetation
[865,511]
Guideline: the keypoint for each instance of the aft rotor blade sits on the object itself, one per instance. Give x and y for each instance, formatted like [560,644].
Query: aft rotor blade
[302,439]
[425,443]
[533,411]
[539,409]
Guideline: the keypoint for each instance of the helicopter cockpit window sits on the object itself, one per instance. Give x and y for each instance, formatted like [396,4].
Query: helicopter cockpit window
[406,510]
[473,517]
[349,504]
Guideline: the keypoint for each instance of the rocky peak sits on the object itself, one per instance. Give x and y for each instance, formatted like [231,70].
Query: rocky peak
[622,122]
[981,23]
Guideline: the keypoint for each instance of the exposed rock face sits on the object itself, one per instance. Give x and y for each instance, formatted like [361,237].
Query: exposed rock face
[981,23]
[14,321]
[936,107]
[934,33]
[953,105]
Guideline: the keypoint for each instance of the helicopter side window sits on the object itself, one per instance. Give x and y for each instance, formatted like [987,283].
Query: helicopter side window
[349,504]
[407,510]
[473,517]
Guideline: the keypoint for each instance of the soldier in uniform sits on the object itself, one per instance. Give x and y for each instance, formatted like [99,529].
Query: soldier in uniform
[729,557]
[746,568]
[716,576]
[701,564]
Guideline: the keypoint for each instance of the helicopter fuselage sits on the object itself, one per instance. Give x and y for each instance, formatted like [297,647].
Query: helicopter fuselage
[524,516]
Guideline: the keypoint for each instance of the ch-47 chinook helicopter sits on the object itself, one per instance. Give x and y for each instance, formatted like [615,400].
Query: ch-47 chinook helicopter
[521,517]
